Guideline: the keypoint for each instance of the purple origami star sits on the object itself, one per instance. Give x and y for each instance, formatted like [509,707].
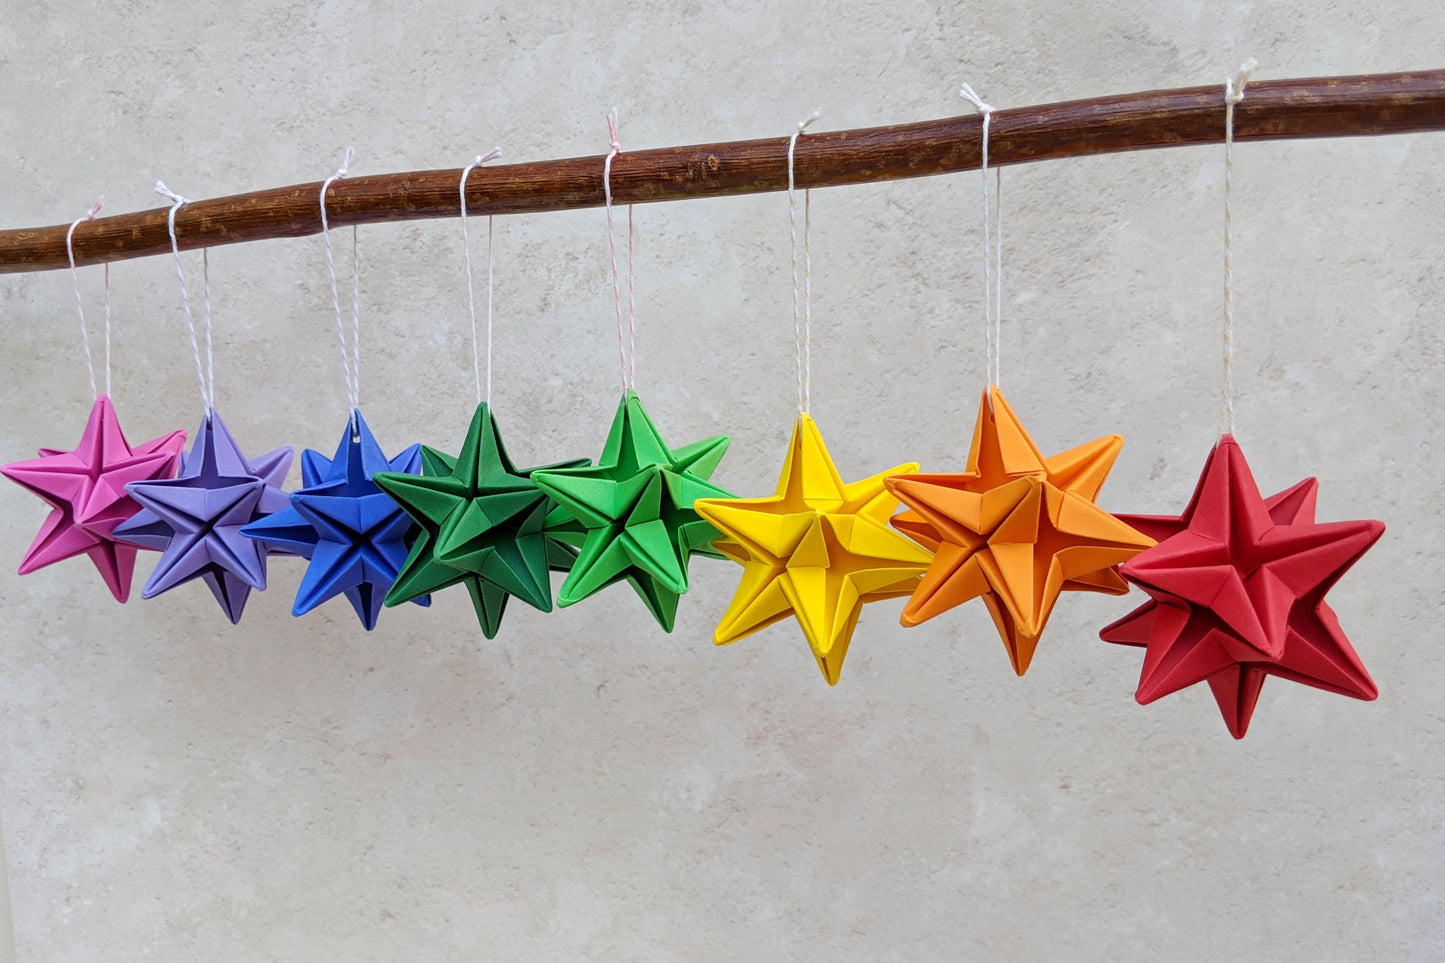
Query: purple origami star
[195,519]
[86,490]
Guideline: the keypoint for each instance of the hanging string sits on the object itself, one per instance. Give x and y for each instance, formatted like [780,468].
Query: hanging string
[1233,94]
[107,325]
[807,299]
[206,297]
[80,306]
[492,154]
[626,337]
[356,320]
[802,315]
[350,357]
[489,315]
[992,254]
[207,383]
[631,301]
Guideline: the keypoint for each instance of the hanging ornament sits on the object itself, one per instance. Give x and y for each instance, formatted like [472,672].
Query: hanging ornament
[634,509]
[1237,583]
[1014,528]
[482,522]
[1237,586]
[636,512]
[355,536]
[817,549]
[195,519]
[85,488]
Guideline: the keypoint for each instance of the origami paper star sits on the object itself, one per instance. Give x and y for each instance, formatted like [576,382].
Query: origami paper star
[1237,586]
[816,550]
[195,519]
[1015,528]
[636,509]
[355,535]
[483,523]
[85,490]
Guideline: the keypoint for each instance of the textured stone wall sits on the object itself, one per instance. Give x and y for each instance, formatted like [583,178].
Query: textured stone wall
[585,786]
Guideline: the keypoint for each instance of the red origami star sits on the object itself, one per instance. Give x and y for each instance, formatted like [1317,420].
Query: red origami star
[85,489]
[1237,586]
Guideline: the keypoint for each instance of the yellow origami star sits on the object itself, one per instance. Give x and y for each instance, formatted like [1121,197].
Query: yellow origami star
[1015,528]
[817,550]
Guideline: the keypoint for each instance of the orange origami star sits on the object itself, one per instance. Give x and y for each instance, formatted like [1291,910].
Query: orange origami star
[1015,528]
[817,550]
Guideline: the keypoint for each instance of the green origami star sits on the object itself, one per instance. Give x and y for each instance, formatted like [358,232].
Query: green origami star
[635,512]
[484,524]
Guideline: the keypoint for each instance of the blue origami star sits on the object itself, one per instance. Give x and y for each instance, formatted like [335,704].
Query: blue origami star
[356,537]
[195,519]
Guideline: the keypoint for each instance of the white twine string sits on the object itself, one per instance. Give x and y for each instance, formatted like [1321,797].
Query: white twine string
[626,337]
[802,315]
[1233,94]
[992,257]
[481,159]
[350,357]
[80,307]
[207,378]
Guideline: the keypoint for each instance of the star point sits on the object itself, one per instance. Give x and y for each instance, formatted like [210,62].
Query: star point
[816,550]
[1014,528]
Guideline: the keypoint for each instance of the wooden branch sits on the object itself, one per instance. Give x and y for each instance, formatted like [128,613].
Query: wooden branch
[1271,110]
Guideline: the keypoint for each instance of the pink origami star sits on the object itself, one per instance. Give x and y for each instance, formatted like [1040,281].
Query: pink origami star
[1237,586]
[85,489]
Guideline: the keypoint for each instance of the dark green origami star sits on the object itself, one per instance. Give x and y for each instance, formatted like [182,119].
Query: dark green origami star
[484,524]
[635,512]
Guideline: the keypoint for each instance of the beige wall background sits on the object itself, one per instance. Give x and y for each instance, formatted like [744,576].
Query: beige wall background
[586,787]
